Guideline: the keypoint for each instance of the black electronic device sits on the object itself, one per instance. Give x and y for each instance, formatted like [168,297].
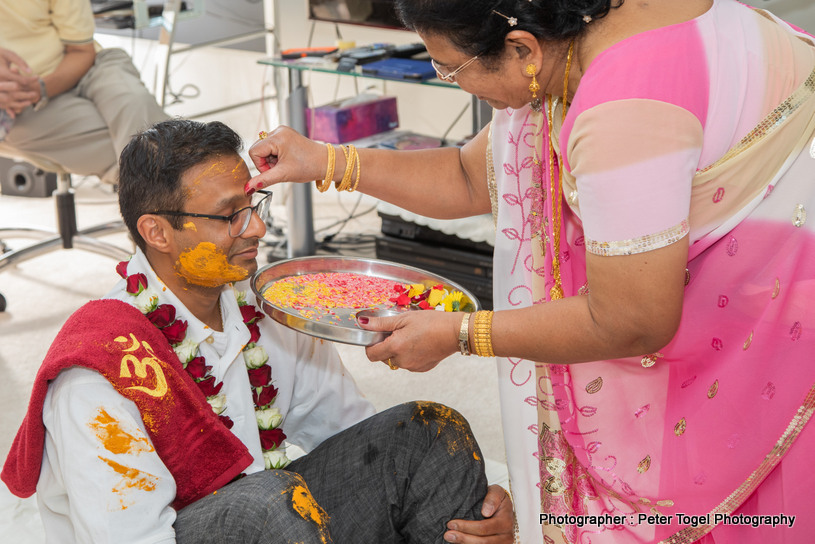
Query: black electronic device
[364,57]
[346,64]
[379,13]
[105,6]
[408,50]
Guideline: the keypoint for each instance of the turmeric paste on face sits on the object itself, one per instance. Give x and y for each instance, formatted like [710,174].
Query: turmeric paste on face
[204,265]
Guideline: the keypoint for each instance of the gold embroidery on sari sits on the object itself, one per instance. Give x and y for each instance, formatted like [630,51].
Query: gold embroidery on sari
[595,385]
[771,123]
[650,360]
[711,392]
[749,341]
[640,244]
[679,428]
[492,185]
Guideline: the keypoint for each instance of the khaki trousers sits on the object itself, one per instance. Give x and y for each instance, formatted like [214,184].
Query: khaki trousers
[84,130]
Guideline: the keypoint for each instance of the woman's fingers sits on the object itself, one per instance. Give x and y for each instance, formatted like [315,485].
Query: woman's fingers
[285,155]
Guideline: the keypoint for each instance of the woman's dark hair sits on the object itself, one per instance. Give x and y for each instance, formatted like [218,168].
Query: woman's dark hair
[474,28]
[151,166]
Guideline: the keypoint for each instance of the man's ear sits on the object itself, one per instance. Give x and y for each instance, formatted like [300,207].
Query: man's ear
[156,232]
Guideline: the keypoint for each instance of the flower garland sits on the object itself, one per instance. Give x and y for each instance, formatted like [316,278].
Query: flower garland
[264,393]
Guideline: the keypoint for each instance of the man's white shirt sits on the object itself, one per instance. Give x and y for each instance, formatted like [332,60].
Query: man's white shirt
[82,492]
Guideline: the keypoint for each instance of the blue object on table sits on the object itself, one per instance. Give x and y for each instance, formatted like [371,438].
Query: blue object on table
[394,68]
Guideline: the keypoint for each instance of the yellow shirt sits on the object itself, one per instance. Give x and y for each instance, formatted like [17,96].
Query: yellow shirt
[38,30]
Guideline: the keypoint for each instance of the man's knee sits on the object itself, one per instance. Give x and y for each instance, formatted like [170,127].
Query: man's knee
[280,503]
[441,424]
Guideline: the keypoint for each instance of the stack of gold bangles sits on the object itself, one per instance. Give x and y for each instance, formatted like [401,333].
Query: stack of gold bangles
[351,164]
[482,334]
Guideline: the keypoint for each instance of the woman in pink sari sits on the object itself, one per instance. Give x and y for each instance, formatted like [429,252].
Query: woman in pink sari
[654,231]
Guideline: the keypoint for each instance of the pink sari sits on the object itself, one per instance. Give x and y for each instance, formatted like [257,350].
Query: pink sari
[716,423]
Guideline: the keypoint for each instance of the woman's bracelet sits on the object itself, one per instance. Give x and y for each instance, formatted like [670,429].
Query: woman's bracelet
[323,185]
[482,334]
[351,159]
[464,335]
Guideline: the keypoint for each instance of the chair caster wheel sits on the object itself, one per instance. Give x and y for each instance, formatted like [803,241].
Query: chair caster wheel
[2,303]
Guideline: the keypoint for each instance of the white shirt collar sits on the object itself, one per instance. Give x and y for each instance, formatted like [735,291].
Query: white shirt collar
[197,330]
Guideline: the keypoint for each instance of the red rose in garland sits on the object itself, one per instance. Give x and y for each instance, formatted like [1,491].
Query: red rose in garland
[260,377]
[271,439]
[255,358]
[162,316]
[175,331]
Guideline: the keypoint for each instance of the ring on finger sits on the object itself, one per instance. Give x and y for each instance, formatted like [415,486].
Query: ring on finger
[391,365]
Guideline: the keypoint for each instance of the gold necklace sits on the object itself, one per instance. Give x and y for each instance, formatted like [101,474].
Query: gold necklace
[556,189]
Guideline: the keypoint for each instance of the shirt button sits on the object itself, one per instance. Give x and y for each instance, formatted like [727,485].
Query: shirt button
[210,339]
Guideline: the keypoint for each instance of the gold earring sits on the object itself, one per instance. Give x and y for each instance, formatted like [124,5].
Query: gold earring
[534,87]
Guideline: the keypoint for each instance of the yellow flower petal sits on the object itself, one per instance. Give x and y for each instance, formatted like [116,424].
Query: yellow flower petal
[415,290]
[436,296]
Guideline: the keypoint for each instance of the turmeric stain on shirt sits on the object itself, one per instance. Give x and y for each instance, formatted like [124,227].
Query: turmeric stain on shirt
[204,265]
[304,504]
[131,479]
[115,439]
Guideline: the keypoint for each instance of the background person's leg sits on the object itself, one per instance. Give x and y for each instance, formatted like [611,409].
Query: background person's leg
[267,507]
[126,106]
[68,132]
[398,476]
[84,130]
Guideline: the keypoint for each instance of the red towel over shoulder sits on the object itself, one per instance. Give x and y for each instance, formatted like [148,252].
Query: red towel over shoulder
[118,341]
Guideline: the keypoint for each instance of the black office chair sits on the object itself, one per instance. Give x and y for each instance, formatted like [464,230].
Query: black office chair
[66,236]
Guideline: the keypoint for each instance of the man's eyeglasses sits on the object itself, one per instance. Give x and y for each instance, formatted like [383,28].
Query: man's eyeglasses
[238,221]
[452,75]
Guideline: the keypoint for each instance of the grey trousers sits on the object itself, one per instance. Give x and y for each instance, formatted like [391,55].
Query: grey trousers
[84,129]
[397,477]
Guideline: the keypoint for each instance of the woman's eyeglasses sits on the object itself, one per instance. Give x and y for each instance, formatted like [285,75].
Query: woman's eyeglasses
[238,221]
[452,75]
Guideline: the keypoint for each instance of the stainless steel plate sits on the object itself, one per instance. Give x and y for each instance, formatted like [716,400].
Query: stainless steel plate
[344,327]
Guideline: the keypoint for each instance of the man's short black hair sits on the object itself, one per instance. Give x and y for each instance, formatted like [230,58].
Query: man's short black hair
[152,164]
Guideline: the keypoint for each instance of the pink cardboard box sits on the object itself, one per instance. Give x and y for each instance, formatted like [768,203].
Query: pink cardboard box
[334,124]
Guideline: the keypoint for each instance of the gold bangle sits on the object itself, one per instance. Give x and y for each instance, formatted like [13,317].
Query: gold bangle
[350,158]
[356,181]
[482,334]
[323,185]
[464,335]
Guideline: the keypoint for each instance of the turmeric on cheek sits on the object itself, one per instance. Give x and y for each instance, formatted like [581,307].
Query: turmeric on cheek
[204,265]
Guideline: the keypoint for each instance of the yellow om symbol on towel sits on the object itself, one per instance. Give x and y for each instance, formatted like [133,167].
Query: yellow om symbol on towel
[140,366]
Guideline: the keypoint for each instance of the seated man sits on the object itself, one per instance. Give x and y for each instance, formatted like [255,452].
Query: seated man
[62,101]
[162,413]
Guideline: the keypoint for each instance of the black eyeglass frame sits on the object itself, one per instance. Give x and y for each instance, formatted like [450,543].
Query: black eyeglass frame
[228,218]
